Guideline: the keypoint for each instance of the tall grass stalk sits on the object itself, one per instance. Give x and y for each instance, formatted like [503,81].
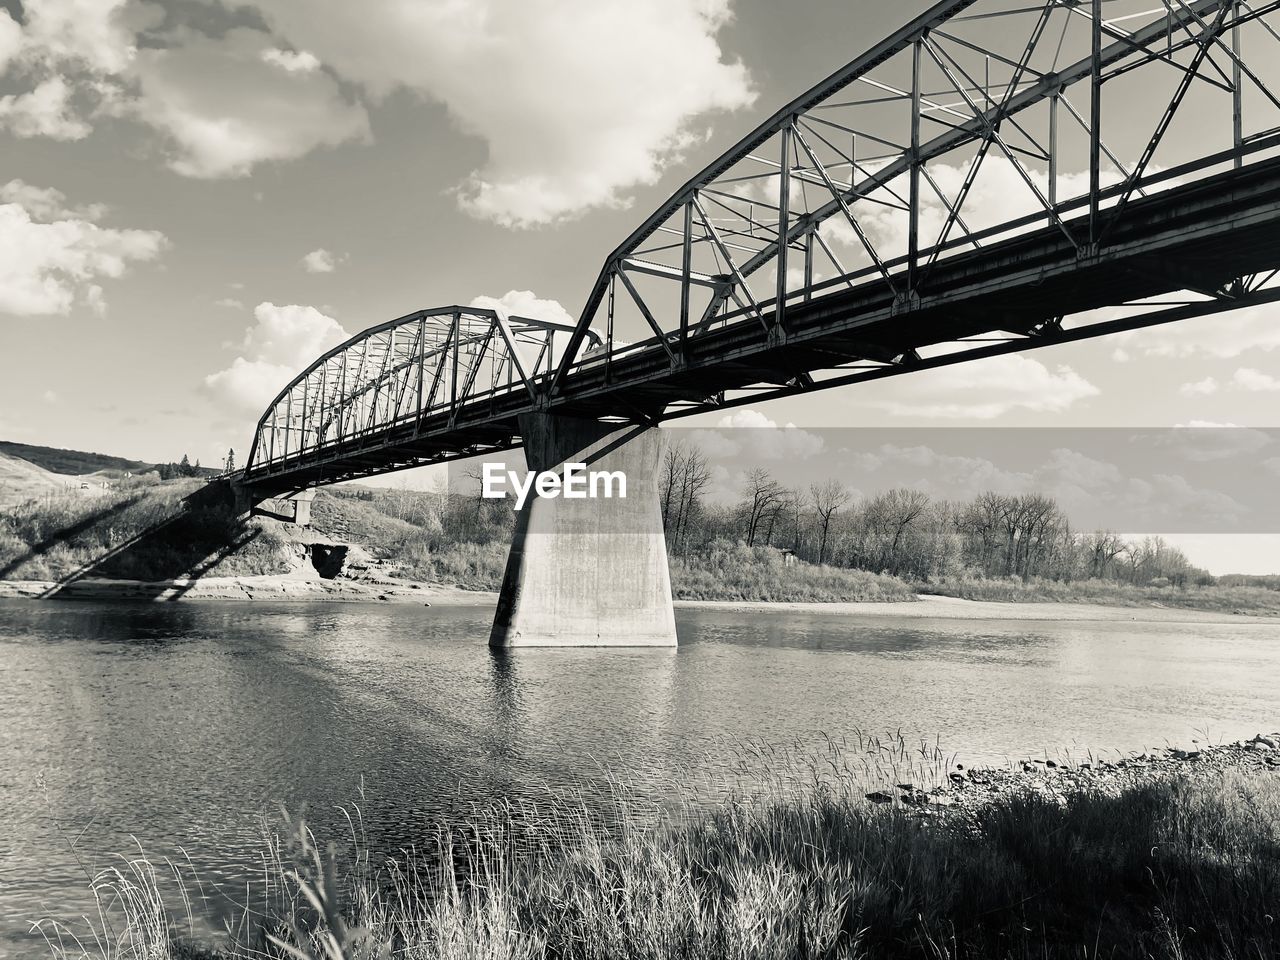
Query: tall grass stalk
[1177,867]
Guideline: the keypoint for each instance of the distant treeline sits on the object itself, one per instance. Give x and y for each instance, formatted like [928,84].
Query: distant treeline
[183,468]
[1267,582]
[907,534]
[903,533]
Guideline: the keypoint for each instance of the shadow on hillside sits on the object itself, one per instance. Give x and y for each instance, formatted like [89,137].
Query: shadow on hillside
[183,546]
[65,533]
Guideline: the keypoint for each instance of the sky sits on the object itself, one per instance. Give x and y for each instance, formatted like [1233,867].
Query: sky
[197,197]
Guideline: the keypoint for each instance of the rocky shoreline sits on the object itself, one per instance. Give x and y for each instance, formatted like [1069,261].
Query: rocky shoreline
[968,790]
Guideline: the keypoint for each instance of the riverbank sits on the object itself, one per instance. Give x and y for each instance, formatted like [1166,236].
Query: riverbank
[928,606]
[389,590]
[266,588]
[183,538]
[1251,600]
[1169,857]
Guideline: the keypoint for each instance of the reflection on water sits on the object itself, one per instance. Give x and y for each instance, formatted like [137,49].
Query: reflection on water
[182,724]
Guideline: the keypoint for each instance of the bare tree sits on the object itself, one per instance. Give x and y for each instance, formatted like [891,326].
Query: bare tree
[694,479]
[798,500]
[891,515]
[1102,547]
[763,494]
[474,474]
[781,506]
[1037,520]
[675,456]
[828,497]
[981,521]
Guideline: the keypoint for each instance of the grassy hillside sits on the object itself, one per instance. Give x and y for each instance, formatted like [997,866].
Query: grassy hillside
[142,529]
[427,537]
[22,480]
[72,462]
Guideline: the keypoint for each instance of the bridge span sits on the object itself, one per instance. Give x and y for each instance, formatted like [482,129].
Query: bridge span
[996,176]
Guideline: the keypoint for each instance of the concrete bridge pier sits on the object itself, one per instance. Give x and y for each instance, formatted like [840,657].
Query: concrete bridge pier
[588,572]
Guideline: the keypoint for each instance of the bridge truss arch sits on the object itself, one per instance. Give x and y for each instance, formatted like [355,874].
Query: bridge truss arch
[387,390]
[994,177]
[978,121]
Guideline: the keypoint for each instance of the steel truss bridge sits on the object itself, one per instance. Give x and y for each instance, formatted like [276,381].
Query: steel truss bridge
[996,176]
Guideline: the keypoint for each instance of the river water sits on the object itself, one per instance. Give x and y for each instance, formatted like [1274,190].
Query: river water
[176,727]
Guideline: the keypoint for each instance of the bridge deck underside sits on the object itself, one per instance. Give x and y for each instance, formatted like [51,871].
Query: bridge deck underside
[1198,236]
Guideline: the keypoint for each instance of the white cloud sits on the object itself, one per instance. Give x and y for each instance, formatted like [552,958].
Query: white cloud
[997,195]
[226,110]
[46,267]
[92,34]
[715,445]
[282,342]
[1073,468]
[10,39]
[299,61]
[1204,440]
[577,103]
[230,302]
[47,203]
[66,48]
[942,474]
[49,396]
[1169,500]
[319,261]
[1223,336]
[985,389]
[754,435]
[44,111]
[1200,388]
[524,303]
[1246,378]
[224,104]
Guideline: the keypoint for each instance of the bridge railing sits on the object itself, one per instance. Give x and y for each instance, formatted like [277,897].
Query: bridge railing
[979,120]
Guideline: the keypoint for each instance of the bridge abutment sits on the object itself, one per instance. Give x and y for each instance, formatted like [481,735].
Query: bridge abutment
[592,571]
[291,508]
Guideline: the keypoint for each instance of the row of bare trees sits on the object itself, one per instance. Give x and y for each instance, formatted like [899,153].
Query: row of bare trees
[685,478]
[905,532]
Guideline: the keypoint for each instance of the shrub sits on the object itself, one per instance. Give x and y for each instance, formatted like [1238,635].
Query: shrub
[737,572]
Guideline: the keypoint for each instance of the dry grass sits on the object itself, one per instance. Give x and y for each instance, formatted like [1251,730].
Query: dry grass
[145,530]
[1180,868]
[759,573]
[471,566]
